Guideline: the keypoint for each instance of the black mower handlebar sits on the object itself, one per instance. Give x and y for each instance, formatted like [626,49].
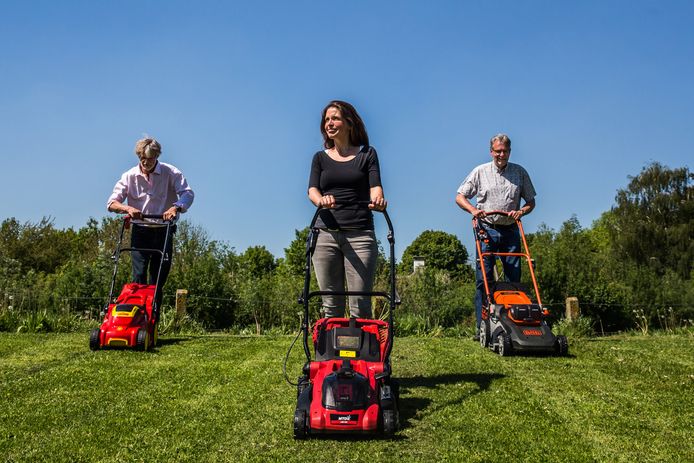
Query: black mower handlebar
[360,203]
[127,217]
[351,203]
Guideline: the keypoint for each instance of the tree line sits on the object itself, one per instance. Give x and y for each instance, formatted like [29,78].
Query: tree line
[631,268]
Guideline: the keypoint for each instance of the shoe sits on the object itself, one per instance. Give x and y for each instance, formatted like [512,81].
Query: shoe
[476,337]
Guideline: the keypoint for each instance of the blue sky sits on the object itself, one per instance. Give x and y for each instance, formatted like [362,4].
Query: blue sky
[589,91]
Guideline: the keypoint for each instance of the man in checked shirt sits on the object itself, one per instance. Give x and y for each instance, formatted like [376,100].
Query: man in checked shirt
[151,187]
[497,186]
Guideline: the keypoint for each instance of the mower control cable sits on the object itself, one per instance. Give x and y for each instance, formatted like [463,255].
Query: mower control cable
[286,358]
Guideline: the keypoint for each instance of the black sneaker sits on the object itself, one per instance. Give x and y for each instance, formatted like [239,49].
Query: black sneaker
[476,337]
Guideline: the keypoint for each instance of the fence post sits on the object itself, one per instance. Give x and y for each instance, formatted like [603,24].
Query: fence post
[181,301]
[573,311]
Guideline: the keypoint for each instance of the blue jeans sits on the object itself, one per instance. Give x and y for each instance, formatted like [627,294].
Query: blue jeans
[501,239]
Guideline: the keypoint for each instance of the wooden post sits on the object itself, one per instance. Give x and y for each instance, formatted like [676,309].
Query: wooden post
[181,301]
[573,311]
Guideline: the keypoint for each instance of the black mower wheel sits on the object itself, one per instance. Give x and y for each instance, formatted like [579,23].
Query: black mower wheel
[300,425]
[484,334]
[94,342]
[390,422]
[142,340]
[504,345]
[562,346]
[302,384]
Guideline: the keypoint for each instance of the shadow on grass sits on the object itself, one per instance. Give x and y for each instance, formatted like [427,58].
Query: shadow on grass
[411,406]
[540,354]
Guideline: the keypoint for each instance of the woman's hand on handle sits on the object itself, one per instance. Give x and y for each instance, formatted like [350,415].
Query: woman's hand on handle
[318,200]
[378,202]
[327,202]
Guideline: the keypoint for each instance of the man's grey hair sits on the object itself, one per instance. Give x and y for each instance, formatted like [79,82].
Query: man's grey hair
[503,138]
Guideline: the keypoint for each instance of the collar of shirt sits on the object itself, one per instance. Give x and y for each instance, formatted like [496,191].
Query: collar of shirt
[156,170]
[497,170]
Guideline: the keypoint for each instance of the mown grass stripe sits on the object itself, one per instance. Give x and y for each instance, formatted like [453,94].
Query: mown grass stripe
[223,398]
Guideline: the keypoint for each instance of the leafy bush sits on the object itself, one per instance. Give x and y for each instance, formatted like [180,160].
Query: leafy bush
[582,327]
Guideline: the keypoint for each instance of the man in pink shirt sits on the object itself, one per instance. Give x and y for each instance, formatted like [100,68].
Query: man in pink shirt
[151,187]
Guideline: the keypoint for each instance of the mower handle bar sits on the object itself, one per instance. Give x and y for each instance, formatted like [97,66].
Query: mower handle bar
[152,216]
[361,203]
[504,213]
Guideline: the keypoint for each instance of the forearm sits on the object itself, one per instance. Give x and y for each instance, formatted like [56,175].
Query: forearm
[117,206]
[376,193]
[315,196]
[465,204]
[528,207]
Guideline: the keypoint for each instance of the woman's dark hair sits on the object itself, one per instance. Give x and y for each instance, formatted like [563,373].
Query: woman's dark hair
[357,131]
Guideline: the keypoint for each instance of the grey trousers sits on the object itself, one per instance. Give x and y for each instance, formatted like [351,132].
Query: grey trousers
[346,255]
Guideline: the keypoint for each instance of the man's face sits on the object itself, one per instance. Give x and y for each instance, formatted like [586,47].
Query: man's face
[500,153]
[148,161]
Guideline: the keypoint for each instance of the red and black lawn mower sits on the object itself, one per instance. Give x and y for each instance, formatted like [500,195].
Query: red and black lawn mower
[511,322]
[347,388]
[130,320]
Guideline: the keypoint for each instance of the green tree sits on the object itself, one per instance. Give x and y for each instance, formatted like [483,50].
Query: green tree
[441,250]
[201,266]
[295,253]
[576,262]
[36,246]
[654,220]
[256,261]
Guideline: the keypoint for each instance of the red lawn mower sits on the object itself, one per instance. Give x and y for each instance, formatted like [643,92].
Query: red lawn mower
[130,320]
[511,322]
[347,388]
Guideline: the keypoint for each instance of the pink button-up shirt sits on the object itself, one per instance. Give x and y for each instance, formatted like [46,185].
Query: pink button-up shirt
[165,187]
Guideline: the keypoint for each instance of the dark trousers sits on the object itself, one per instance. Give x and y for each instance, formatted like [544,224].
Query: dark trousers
[144,262]
[501,239]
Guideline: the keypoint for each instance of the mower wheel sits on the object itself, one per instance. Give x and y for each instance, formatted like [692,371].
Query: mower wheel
[94,342]
[300,426]
[142,341]
[504,345]
[155,338]
[302,384]
[390,422]
[561,346]
[484,334]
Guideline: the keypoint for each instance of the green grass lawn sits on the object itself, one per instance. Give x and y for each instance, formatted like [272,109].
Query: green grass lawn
[223,398]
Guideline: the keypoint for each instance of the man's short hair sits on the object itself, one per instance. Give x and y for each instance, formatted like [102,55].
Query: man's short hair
[147,146]
[503,138]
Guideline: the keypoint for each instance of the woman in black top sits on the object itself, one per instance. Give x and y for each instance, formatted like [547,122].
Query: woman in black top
[346,172]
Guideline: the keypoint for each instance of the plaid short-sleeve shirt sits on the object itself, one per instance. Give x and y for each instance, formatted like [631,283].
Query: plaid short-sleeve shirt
[498,190]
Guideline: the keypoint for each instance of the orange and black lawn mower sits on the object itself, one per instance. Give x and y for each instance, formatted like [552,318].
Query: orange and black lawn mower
[511,321]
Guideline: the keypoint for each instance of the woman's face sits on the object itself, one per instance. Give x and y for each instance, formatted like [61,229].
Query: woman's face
[335,127]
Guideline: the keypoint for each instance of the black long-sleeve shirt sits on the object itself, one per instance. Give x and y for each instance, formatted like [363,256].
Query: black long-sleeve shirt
[347,181]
